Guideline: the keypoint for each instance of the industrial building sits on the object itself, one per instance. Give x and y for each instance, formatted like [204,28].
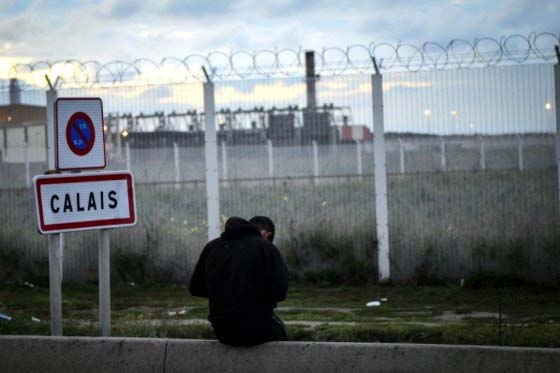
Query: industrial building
[22,129]
[287,126]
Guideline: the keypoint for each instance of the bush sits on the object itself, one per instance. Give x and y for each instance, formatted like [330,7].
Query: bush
[425,273]
[482,279]
[130,267]
[14,267]
[322,257]
[327,276]
[10,266]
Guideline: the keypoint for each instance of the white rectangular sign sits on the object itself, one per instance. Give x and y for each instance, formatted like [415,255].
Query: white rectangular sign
[80,139]
[73,202]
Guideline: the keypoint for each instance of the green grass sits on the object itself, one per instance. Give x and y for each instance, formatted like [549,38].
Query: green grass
[447,314]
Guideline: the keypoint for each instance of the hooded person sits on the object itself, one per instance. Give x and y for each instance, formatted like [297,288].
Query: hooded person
[244,277]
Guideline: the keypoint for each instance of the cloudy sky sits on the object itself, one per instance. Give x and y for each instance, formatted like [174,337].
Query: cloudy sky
[107,30]
[122,29]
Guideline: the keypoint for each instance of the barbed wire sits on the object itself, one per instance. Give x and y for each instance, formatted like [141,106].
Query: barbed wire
[357,58]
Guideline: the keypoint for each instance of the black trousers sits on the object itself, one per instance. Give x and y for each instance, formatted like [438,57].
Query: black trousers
[250,332]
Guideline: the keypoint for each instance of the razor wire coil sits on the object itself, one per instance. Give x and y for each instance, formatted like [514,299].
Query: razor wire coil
[269,63]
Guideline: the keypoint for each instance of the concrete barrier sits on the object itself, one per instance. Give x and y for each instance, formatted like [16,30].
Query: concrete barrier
[80,354]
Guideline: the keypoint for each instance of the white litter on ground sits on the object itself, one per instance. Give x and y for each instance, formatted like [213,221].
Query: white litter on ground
[34,319]
[374,303]
[5,317]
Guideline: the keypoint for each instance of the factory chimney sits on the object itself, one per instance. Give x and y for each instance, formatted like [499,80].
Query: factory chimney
[310,79]
[15,92]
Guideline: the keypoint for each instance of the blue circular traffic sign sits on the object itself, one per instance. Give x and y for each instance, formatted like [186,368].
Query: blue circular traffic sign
[80,133]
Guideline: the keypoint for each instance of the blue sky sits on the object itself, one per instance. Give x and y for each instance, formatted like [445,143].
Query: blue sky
[110,29]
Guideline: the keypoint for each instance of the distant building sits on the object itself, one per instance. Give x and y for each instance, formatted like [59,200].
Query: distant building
[355,133]
[20,114]
[22,126]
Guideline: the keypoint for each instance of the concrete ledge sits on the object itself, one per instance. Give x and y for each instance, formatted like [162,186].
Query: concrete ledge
[81,354]
[69,354]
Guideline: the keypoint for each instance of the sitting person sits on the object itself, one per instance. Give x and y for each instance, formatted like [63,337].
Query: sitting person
[244,276]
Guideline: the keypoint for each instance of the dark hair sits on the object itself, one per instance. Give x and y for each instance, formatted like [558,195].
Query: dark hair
[264,223]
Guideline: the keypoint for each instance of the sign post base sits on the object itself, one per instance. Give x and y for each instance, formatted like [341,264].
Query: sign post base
[104,282]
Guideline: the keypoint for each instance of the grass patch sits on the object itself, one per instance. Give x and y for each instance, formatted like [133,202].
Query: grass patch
[484,279]
[535,335]
[442,225]
[436,314]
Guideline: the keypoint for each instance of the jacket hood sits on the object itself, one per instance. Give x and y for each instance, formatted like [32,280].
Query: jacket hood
[238,227]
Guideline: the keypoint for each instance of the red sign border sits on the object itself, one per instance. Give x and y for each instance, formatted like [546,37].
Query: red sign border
[41,180]
[56,134]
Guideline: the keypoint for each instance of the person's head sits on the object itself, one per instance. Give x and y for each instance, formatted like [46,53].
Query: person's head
[265,225]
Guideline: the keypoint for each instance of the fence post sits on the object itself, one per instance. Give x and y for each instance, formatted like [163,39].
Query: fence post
[442,155]
[270,162]
[401,157]
[359,157]
[4,148]
[127,155]
[224,160]
[55,241]
[27,170]
[211,157]
[380,174]
[315,161]
[556,106]
[119,140]
[482,153]
[177,165]
[270,159]
[520,153]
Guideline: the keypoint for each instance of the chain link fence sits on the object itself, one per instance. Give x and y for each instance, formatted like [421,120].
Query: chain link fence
[471,165]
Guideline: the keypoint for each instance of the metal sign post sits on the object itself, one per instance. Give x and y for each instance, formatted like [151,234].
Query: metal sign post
[56,241]
[104,257]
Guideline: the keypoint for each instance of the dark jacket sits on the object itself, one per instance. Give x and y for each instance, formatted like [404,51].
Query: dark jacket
[242,274]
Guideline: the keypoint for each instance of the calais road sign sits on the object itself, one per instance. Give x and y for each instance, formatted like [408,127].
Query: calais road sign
[80,141]
[73,202]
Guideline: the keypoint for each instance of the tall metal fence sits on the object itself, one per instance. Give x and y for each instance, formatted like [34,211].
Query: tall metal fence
[471,167]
